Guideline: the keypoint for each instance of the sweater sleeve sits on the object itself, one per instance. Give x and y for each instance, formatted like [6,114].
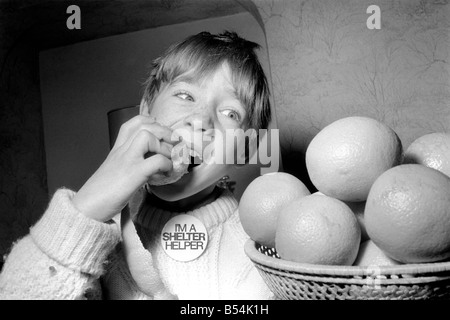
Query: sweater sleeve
[62,257]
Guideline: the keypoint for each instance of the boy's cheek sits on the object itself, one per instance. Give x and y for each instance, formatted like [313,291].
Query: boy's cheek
[168,119]
[224,152]
[211,155]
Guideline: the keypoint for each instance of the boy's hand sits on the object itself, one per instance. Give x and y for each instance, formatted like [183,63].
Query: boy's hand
[126,168]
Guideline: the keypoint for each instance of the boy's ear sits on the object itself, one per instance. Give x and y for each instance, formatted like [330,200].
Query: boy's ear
[144,109]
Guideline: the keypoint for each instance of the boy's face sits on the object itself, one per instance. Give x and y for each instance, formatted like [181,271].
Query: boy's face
[202,112]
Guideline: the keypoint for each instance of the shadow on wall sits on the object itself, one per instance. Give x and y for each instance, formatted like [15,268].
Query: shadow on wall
[294,163]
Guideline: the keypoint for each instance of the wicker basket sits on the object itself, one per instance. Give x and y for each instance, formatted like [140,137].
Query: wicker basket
[300,281]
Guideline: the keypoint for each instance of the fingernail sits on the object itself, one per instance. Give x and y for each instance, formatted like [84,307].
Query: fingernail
[176,137]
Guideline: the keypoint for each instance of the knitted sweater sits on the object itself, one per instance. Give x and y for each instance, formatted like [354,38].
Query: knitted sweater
[69,256]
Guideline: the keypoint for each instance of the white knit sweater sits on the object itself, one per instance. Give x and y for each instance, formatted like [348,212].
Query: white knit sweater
[69,256]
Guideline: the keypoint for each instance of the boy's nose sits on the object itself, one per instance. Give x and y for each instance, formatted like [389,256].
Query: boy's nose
[199,121]
[198,130]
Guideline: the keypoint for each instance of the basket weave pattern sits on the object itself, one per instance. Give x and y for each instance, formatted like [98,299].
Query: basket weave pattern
[293,281]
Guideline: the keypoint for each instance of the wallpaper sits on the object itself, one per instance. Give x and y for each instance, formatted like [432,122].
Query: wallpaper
[326,64]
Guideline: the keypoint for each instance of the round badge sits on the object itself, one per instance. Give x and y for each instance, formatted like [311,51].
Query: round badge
[184,237]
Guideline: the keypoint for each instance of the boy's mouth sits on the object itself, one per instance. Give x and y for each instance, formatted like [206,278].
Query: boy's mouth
[195,160]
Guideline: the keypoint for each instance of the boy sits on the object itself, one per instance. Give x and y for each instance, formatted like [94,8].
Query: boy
[204,86]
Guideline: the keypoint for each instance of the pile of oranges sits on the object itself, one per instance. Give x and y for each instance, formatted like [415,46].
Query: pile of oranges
[376,204]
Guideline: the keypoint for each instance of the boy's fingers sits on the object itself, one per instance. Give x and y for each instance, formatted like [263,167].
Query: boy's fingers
[164,134]
[128,128]
[166,149]
[155,164]
[145,142]
[160,133]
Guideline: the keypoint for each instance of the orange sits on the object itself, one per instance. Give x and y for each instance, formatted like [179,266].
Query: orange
[344,158]
[262,201]
[370,255]
[431,150]
[318,229]
[407,214]
[358,210]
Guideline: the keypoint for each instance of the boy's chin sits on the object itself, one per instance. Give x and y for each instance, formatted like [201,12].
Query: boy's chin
[196,180]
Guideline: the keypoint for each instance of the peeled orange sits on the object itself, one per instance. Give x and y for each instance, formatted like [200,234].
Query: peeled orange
[344,158]
[262,202]
[318,229]
[407,214]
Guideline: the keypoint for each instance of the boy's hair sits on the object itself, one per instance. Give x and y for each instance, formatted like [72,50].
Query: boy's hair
[200,55]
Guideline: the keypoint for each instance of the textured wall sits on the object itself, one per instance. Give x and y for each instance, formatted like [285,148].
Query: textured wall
[326,64]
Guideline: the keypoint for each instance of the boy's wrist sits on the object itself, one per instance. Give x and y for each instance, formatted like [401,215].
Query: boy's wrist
[82,205]
[92,204]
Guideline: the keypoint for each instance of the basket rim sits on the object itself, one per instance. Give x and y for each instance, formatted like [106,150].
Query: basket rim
[430,268]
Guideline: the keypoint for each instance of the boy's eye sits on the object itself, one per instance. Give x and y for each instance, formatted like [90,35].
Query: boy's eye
[232,114]
[184,95]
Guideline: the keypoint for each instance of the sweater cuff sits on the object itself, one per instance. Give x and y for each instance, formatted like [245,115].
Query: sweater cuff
[72,239]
